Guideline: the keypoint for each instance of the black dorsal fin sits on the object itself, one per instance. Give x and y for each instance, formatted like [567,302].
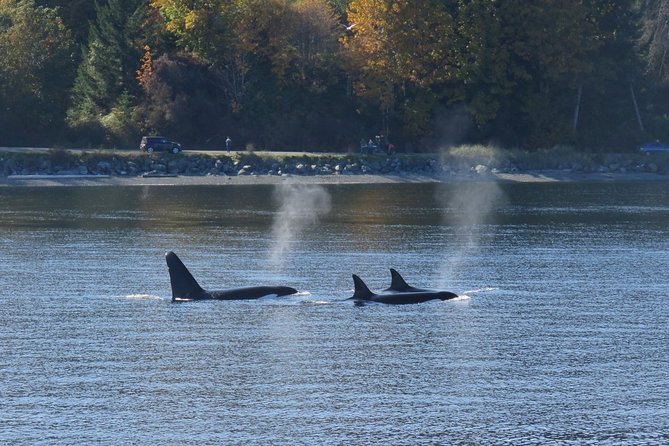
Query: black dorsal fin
[184,285]
[361,291]
[397,282]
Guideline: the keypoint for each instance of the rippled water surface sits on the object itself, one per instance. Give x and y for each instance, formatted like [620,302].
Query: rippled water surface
[561,336]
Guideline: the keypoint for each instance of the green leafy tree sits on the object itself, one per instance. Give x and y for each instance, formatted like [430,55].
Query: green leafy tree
[35,72]
[655,37]
[268,60]
[523,63]
[339,5]
[550,48]
[654,51]
[179,100]
[76,15]
[273,69]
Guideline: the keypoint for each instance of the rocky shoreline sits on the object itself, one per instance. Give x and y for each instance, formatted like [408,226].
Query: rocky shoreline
[205,165]
[64,163]
[249,168]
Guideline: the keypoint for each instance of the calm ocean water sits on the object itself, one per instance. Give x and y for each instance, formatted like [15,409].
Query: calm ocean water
[561,336]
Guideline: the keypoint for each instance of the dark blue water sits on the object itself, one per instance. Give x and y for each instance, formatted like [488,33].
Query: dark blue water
[562,336]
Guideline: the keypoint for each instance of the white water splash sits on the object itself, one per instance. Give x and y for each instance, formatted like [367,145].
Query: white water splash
[481,290]
[459,298]
[142,297]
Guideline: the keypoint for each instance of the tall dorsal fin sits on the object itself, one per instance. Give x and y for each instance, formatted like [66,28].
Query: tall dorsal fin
[397,282]
[183,283]
[361,291]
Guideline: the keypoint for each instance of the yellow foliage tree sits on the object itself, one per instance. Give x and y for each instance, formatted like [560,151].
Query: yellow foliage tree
[293,38]
[146,69]
[395,45]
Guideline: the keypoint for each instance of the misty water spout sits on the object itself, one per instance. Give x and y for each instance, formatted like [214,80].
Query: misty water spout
[466,209]
[300,207]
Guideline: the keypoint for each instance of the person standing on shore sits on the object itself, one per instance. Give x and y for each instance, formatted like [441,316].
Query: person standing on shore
[228,144]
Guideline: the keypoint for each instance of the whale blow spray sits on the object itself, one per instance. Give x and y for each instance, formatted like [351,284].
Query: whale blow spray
[300,206]
[466,208]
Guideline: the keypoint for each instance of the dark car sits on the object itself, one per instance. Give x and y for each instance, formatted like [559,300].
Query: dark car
[653,147]
[158,143]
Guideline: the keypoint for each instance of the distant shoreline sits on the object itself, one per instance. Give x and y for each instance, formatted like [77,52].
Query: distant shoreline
[542,176]
[53,167]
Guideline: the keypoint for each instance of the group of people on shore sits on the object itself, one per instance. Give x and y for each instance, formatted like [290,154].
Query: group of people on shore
[376,145]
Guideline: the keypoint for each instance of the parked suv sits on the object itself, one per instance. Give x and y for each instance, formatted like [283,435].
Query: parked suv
[156,143]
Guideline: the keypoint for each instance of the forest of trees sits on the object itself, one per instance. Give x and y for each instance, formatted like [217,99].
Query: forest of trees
[324,74]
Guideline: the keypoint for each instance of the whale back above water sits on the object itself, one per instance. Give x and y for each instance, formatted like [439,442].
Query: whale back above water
[185,287]
[362,293]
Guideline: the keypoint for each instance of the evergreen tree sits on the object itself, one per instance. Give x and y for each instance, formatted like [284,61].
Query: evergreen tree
[110,59]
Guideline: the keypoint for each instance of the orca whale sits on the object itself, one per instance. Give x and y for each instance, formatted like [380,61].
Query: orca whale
[399,285]
[185,287]
[363,294]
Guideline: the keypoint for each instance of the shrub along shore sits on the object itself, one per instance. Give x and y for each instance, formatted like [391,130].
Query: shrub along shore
[471,160]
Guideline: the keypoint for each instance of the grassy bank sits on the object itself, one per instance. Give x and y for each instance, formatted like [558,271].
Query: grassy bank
[555,158]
